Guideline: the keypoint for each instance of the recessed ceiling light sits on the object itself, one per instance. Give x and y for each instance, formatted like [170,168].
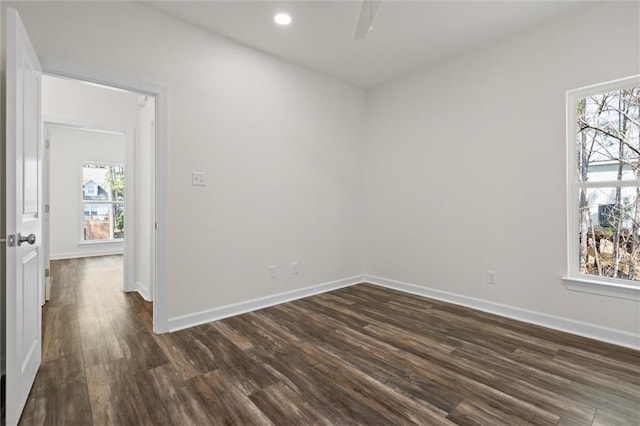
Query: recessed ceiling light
[282,19]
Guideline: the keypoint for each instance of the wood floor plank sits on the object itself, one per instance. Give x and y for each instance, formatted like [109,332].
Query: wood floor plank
[142,351]
[237,339]
[452,379]
[316,389]
[167,399]
[362,355]
[246,374]
[283,406]
[477,414]
[605,417]
[224,403]
[99,341]
[62,397]
[115,396]
[581,383]
[396,406]
[61,333]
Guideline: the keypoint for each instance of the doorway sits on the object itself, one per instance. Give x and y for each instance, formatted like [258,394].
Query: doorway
[99,150]
[157,164]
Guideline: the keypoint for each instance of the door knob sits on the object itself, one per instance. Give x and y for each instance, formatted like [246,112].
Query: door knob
[31,239]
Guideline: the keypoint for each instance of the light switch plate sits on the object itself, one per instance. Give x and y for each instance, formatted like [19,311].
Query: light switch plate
[198,179]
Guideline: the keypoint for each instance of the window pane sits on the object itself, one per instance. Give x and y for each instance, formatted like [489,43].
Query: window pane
[97,222]
[103,196]
[118,218]
[609,232]
[608,136]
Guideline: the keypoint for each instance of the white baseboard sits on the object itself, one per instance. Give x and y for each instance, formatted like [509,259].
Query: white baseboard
[605,334]
[593,331]
[143,290]
[203,317]
[79,254]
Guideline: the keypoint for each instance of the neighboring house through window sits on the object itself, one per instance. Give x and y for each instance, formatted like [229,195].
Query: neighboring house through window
[103,202]
[603,151]
[90,189]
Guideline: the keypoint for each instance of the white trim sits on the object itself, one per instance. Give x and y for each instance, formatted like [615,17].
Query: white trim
[129,209]
[79,254]
[203,317]
[607,184]
[159,261]
[607,86]
[586,285]
[593,331]
[143,290]
[101,242]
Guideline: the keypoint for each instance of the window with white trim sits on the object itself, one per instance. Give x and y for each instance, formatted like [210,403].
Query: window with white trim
[102,202]
[603,147]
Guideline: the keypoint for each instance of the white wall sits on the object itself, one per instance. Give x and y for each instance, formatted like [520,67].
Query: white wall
[465,166]
[71,148]
[281,146]
[88,103]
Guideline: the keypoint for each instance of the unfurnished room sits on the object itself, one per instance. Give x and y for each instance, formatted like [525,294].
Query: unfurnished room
[361,212]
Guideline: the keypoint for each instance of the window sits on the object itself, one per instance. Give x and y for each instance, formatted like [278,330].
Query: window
[103,202]
[90,189]
[603,139]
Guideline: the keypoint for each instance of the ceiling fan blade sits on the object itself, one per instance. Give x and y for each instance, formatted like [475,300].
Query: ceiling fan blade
[365,21]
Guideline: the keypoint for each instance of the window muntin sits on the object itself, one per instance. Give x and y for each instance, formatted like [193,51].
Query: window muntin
[604,193]
[103,202]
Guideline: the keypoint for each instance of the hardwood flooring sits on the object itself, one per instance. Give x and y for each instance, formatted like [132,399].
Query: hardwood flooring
[360,355]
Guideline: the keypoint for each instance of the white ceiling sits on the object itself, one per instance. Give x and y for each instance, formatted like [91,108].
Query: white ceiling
[407,35]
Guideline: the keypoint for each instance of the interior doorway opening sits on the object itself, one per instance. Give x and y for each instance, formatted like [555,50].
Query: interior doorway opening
[99,174]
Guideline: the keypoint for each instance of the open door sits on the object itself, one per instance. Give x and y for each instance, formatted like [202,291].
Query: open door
[24,258]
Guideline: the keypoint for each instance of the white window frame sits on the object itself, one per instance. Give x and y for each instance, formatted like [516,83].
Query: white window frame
[108,202]
[574,280]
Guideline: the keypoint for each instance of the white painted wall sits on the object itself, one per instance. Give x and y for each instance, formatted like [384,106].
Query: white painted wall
[281,146]
[71,148]
[465,166]
[90,104]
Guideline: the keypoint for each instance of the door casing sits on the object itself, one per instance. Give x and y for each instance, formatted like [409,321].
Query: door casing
[159,182]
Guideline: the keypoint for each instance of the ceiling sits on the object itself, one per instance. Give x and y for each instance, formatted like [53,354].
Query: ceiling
[407,35]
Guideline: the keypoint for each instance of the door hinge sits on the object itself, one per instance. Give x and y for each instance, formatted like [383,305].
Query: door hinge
[46,208]
[156,226]
[10,241]
[46,272]
[47,143]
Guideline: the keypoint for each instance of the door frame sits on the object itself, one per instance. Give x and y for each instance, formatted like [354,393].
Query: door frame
[159,182]
[129,193]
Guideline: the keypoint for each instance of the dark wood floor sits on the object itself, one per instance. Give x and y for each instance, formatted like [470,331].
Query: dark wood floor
[360,355]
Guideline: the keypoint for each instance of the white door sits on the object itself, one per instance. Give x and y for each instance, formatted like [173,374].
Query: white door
[24,260]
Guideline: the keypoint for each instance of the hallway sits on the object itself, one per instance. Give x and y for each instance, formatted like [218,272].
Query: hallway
[89,326]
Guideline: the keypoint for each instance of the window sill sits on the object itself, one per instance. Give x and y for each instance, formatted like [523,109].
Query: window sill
[620,291]
[100,242]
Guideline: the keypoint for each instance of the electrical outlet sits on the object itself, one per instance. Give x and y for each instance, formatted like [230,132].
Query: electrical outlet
[272,272]
[198,179]
[491,277]
[294,268]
